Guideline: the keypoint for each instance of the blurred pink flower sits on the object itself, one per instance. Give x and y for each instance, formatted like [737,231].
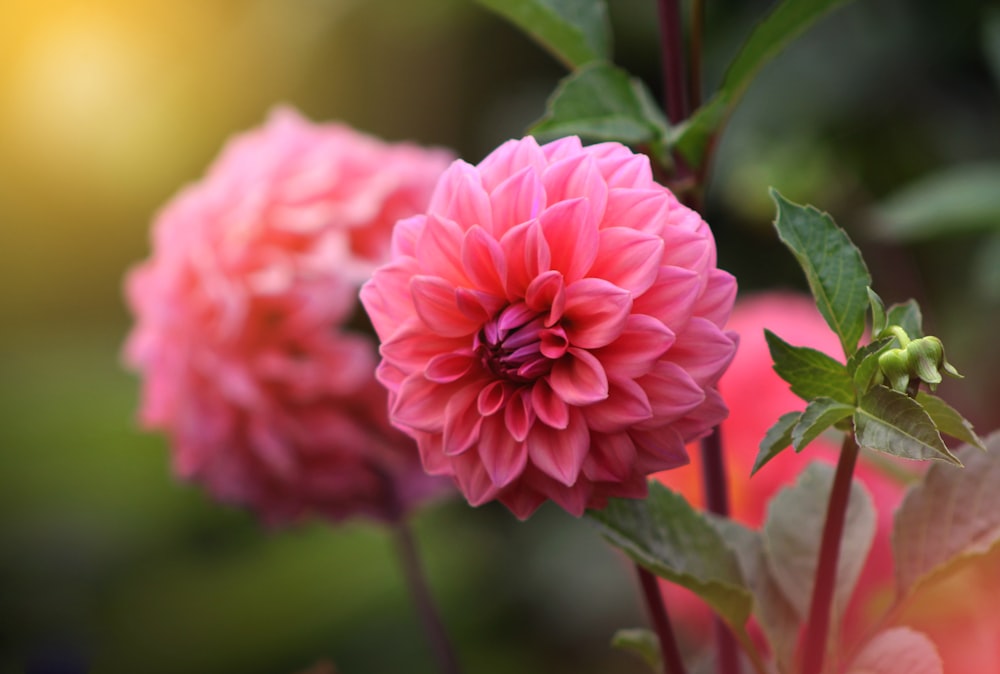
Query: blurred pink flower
[757,396]
[244,315]
[552,326]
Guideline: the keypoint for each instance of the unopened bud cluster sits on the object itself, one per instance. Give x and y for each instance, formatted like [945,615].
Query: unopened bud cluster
[915,361]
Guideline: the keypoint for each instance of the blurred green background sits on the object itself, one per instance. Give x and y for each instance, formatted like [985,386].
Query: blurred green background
[107,107]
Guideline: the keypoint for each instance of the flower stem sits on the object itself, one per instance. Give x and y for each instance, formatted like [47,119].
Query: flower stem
[672,662]
[672,58]
[416,581]
[814,646]
[716,489]
[694,54]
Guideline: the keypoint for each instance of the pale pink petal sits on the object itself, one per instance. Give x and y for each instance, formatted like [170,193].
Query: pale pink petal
[560,453]
[672,296]
[671,392]
[643,209]
[472,478]
[508,159]
[625,406]
[439,247]
[434,301]
[547,294]
[575,176]
[412,345]
[519,198]
[519,416]
[571,232]
[596,312]
[460,197]
[716,302]
[690,250]
[420,404]
[527,254]
[578,378]
[636,351]
[449,366]
[461,420]
[628,258]
[484,261]
[478,306]
[703,351]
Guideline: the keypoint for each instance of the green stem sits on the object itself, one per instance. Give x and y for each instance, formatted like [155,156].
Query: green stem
[416,581]
[814,646]
[672,662]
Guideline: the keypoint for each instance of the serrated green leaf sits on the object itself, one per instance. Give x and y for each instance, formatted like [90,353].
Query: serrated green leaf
[948,420]
[908,316]
[891,422]
[863,365]
[601,102]
[820,414]
[950,201]
[895,650]
[642,642]
[793,531]
[878,312]
[666,535]
[810,373]
[575,31]
[769,37]
[833,266]
[775,615]
[777,439]
[950,515]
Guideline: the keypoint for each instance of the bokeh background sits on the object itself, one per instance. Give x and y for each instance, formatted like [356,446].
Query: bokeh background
[107,107]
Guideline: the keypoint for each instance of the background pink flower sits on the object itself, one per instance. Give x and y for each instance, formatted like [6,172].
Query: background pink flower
[757,396]
[244,316]
[552,326]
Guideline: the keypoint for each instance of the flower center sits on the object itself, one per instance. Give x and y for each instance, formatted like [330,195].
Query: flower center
[515,344]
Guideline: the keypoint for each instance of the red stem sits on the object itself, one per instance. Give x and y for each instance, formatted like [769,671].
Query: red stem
[814,646]
[672,662]
[672,53]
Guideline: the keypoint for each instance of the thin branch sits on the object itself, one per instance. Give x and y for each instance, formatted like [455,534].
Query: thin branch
[672,662]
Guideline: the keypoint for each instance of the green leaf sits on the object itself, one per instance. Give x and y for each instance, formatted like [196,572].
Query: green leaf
[951,201]
[793,530]
[601,102]
[948,420]
[836,273]
[952,514]
[666,535]
[642,642]
[908,316]
[575,31]
[777,439]
[895,650]
[863,365]
[820,414]
[769,37]
[889,421]
[775,615]
[878,313]
[810,373]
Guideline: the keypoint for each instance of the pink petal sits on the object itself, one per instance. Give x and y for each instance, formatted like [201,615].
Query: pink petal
[493,397]
[577,176]
[642,209]
[420,404]
[703,351]
[478,306]
[637,349]
[560,453]
[628,258]
[432,458]
[571,232]
[660,449]
[461,421]
[522,501]
[569,146]
[386,296]
[625,406]
[716,302]
[579,378]
[698,422]
[611,457]
[549,407]
[621,166]
[527,253]
[413,345]
[459,196]
[510,158]
[502,455]
[447,367]
[518,415]
[573,499]
[472,478]
[435,303]
[596,312]
[439,249]
[547,294]
[484,262]
[672,296]
[519,198]
[689,250]
[554,342]
[671,391]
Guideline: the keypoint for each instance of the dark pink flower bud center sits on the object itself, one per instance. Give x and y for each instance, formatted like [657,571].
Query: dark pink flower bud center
[517,346]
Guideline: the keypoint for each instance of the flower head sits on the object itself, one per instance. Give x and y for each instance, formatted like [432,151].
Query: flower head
[243,316]
[552,326]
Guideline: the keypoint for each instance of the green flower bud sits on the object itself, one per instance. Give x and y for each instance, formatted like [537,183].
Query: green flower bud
[895,365]
[927,360]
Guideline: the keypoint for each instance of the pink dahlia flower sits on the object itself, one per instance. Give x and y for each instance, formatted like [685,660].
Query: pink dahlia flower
[243,322]
[552,327]
[758,396]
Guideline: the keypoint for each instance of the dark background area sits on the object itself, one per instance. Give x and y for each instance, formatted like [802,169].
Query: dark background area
[108,107]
